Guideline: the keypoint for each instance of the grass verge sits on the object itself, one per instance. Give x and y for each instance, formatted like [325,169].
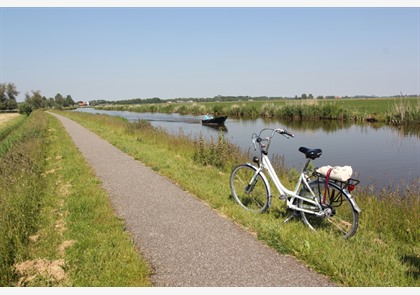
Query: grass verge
[384,252]
[59,227]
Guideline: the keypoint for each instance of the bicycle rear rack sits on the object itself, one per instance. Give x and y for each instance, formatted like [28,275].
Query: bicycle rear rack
[350,184]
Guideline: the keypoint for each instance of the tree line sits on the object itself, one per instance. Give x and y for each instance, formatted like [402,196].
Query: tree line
[33,100]
[220,98]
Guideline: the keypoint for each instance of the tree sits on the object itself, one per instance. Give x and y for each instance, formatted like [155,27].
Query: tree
[68,101]
[304,96]
[3,96]
[36,101]
[50,102]
[8,93]
[11,91]
[59,100]
[25,108]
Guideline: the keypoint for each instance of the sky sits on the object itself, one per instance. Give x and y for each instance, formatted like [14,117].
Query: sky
[116,53]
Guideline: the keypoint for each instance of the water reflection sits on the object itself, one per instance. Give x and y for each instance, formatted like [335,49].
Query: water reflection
[326,126]
[217,128]
[406,130]
[380,154]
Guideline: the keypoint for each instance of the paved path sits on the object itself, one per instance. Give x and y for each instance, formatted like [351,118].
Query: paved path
[184,240]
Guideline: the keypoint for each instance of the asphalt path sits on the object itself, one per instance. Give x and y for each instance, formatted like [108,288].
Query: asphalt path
[186,242]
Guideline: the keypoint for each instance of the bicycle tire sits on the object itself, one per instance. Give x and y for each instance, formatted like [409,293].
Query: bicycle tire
[344,219]
[252,197]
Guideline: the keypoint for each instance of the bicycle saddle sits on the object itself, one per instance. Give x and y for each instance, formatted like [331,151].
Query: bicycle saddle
[311,153]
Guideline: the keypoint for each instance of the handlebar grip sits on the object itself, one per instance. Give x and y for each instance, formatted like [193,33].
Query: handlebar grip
[288,133]
[285,132]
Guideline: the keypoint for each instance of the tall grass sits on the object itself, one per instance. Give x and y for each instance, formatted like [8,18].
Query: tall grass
[403,112]
[218,153]
[22,156]
[57,226]
[384,252]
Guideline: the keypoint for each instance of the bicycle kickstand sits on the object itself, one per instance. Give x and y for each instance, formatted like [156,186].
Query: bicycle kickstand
[292,215]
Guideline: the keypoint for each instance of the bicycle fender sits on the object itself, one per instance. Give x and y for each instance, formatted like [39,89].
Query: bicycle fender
[352,200]
[263,177]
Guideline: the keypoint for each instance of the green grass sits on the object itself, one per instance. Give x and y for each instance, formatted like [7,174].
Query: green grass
[384,252]
[53,211]
[9,125]
[22,155]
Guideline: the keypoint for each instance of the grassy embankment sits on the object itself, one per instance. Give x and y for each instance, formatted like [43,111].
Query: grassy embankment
[390,110]
[57,225]
[384,252]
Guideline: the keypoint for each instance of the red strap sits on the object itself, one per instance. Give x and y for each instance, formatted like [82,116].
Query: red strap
[327,178]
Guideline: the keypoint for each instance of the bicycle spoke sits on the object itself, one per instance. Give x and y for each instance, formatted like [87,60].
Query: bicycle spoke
[253,197]
[339,214]
[340,224]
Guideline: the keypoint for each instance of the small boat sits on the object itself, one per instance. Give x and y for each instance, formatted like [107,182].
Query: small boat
[214,121]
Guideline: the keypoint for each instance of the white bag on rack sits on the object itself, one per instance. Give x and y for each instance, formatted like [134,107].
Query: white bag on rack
[341,173]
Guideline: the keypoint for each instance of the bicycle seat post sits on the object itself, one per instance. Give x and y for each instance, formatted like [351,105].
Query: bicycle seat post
[305,168]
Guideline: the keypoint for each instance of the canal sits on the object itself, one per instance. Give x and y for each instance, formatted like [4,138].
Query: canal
[380,155]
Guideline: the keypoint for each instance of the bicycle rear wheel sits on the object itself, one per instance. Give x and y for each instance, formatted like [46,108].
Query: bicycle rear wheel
[340,215]
[253,196]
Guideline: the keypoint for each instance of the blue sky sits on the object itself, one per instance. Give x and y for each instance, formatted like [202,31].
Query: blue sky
[122,53]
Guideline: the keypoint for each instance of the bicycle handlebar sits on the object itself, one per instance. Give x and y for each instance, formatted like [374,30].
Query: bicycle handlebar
[257,137]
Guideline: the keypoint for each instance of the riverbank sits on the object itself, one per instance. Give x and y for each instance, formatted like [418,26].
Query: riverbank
[384,252]
[390,110]
[342,143]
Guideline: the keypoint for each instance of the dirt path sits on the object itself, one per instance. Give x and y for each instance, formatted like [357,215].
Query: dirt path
[186,242]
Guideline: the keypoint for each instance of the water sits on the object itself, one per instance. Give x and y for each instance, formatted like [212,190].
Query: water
[379,154]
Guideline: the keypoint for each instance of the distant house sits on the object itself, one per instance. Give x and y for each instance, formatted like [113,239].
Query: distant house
[83,103]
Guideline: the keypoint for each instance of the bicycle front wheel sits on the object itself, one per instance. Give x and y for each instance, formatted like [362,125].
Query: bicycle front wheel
[339,215]
[250,189]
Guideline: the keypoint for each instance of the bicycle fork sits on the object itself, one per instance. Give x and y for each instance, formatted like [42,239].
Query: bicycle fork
[250,186]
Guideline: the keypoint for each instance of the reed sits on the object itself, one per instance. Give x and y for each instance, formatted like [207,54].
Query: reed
[218,153]
[404,112]
[268,110]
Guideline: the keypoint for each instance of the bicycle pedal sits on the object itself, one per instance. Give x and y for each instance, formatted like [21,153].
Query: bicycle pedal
[282,197]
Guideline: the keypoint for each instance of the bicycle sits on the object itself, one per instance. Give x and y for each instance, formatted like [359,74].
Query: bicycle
[321,198]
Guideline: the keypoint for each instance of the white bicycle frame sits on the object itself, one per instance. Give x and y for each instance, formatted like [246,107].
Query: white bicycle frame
[291,195]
